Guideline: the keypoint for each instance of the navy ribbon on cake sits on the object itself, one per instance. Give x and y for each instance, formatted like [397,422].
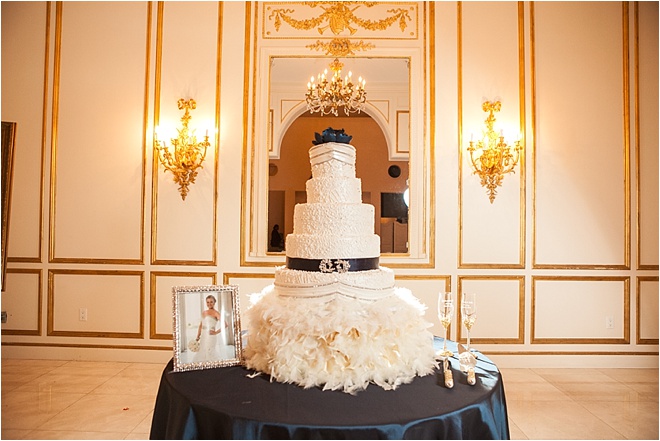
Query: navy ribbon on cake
[332,265]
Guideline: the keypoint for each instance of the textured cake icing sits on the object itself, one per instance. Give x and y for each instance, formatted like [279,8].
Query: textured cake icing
[334,223]
[333,317]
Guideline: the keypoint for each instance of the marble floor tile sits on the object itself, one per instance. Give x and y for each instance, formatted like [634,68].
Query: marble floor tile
[155,367]
[103,413]
[633,419]
[15,433]
[611,391]
[517,375]
[533,391]
[27,370]
[137,435]
[30,409]
[558,420]
[17,375]
[647,391]
[19,362]
[64,382]
[9,385]
[75,434]
[632,375]
[46,399]
[93,368]
[131,384]
[515,432]
[555,375]
[145,424]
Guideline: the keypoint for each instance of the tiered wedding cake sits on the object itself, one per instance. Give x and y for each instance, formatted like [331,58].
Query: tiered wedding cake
[333,317]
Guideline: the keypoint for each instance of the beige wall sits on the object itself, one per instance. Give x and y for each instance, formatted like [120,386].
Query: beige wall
[571,239]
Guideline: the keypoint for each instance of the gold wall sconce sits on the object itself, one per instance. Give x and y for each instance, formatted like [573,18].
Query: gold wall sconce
[186,155]
[496,158]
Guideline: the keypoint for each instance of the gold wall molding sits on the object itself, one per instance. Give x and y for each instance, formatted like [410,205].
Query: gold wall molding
[520,338]
[44,130]
[638,146]
[155,260]
[462,264]
[253,171]
[638,298]
[625,339]
[328,19]
[39,311]
[57,69]
[153,298]
[51,332]
[226,277]
[431,277]
[402,121]
[625,157]
[564,353]
[340,47]
[86,346]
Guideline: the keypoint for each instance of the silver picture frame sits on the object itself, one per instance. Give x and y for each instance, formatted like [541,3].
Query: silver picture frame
[207,327]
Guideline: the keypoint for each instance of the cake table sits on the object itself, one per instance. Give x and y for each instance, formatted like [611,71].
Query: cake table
[224,403]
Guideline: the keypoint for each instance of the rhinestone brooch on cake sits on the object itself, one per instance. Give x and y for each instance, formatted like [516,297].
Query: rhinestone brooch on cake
[338,266]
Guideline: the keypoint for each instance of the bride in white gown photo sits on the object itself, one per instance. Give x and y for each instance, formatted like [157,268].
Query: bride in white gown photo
[207,334]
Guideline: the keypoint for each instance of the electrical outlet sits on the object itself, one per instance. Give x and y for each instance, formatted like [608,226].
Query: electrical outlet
[83,315]
[609,322]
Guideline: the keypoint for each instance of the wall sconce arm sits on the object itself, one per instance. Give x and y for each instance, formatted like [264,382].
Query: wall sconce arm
[187,154]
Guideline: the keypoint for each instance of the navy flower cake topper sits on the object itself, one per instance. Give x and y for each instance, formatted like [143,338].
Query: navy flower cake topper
[332,135]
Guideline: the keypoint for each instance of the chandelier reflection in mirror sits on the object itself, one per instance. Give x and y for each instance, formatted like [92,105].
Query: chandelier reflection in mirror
[186,155]
[496,158]
[328,96]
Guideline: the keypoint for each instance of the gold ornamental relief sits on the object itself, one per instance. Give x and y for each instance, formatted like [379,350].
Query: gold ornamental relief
[391,20]
[340,47]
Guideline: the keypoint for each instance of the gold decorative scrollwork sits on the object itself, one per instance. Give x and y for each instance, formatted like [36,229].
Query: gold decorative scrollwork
[339,17]
[340,47]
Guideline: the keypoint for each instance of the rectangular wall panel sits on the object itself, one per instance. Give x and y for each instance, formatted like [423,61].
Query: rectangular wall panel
[489,75]
[580,309]
[184,230]
[248,284]
[500,308]
[647,310]
[647,125]
[427,289]
[98,132]
[162,302]
[23,60]
[22,302]
[112,302]
[581,148]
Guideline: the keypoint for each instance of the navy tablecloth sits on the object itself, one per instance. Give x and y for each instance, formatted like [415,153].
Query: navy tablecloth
[224,403]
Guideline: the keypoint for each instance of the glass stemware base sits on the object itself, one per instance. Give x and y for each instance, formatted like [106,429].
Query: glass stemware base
[444,352]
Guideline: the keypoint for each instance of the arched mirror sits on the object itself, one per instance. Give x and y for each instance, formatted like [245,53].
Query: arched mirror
[381,135]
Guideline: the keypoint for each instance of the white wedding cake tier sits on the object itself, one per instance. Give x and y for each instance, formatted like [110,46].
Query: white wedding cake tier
[333,317]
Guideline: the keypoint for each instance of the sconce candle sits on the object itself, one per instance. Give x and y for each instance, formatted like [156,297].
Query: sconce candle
[187,155]
[496,158]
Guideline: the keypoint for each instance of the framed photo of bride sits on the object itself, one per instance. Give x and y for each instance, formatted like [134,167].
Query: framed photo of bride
[207,327]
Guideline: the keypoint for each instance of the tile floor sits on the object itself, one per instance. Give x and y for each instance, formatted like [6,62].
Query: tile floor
[48,399]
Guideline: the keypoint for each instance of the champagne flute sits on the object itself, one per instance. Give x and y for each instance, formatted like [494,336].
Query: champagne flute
[445,313]
[469,313]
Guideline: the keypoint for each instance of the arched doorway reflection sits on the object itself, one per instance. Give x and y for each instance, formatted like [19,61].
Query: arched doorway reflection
[383,181]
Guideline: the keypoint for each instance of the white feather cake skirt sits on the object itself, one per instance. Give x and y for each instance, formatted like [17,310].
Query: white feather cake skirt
[338,342]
